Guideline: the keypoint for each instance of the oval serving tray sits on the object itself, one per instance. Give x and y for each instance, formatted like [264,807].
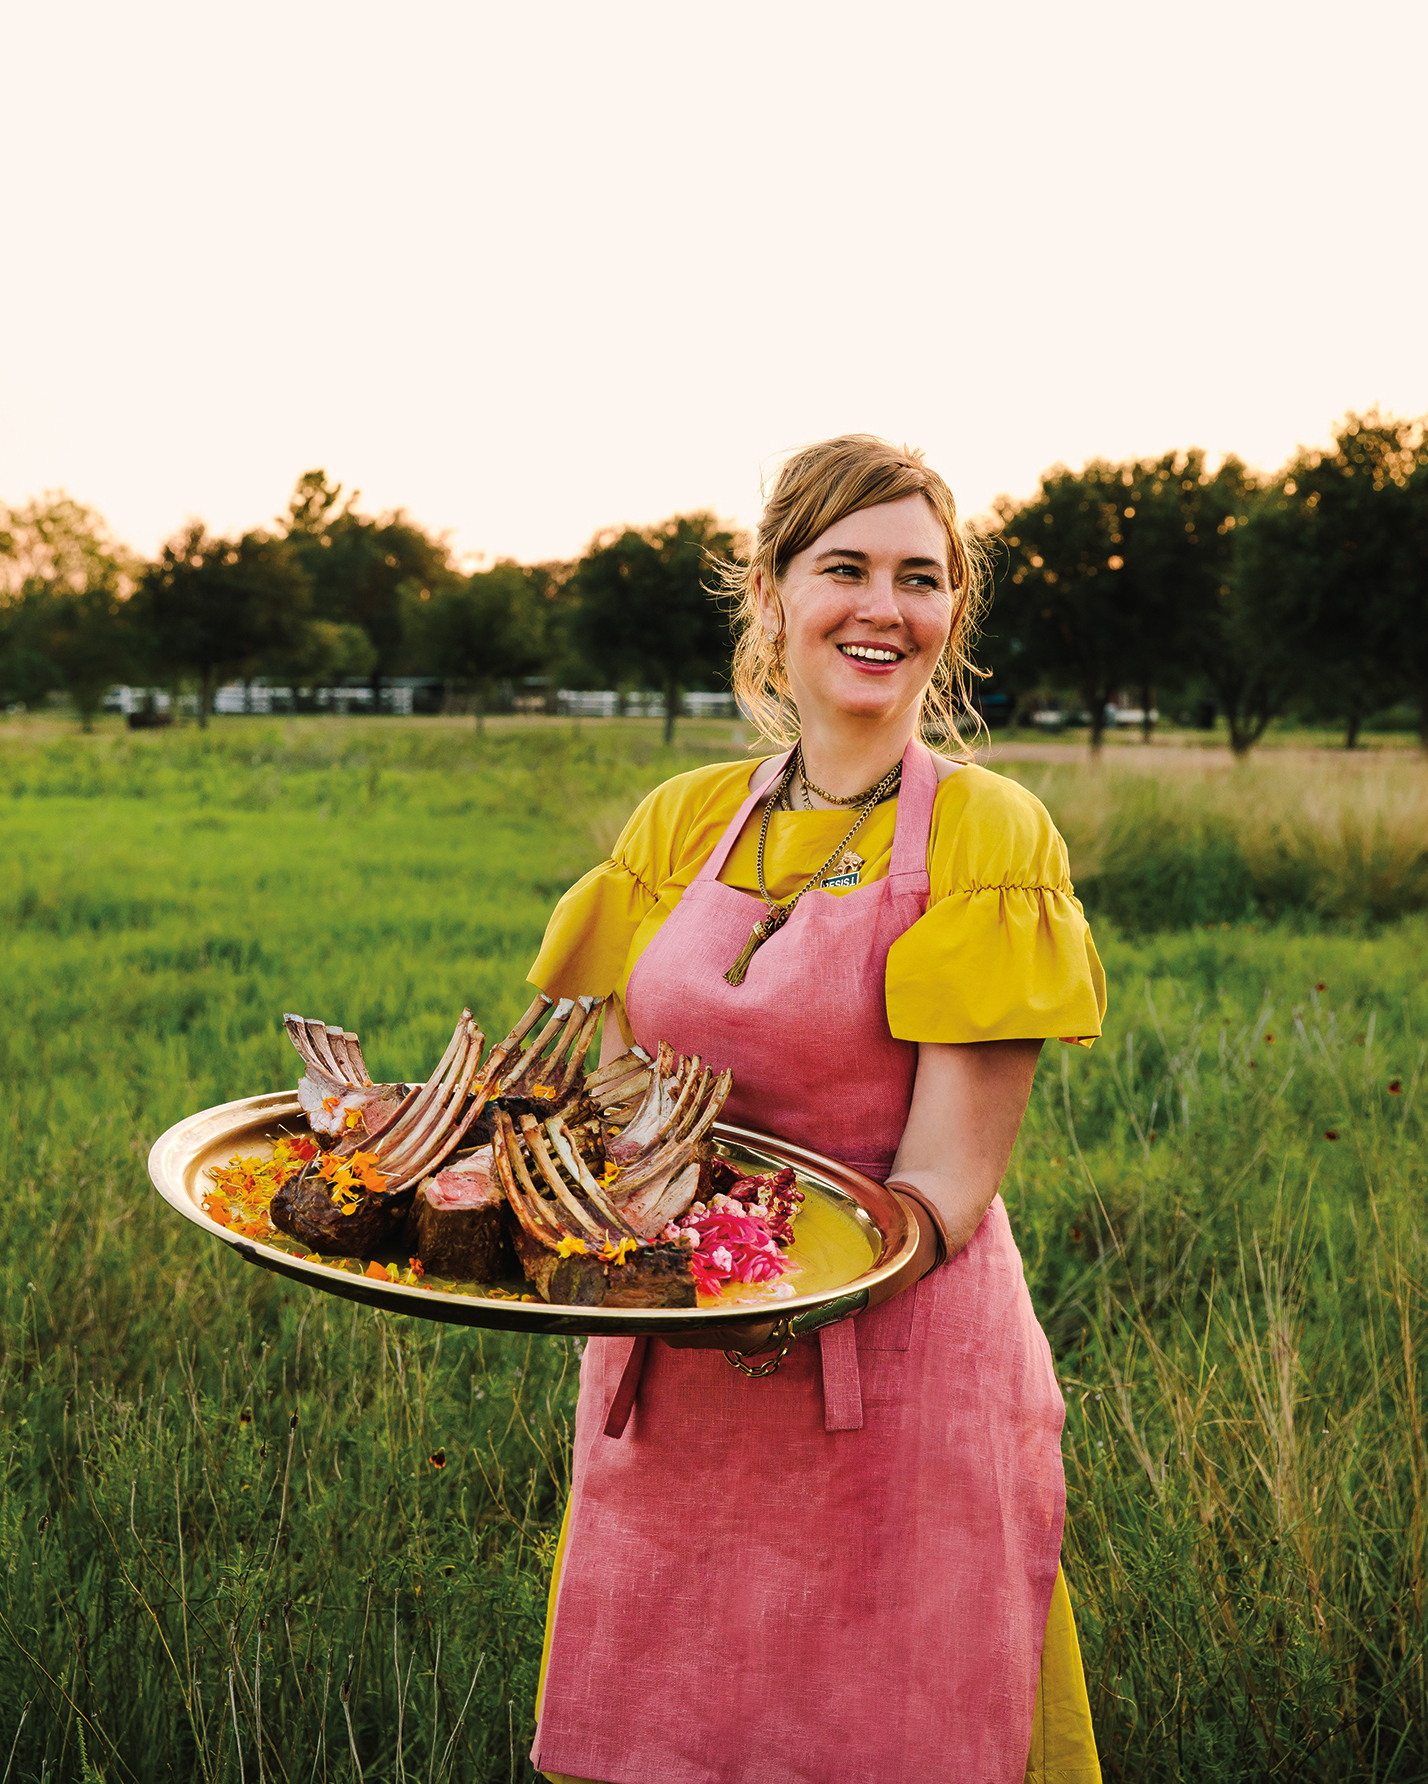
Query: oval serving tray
[180,1158]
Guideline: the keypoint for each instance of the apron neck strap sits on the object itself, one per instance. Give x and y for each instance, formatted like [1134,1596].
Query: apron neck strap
[915,799]
[762,778]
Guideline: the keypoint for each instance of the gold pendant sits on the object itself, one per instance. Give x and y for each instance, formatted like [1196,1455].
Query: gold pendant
[778,915]
[845,873]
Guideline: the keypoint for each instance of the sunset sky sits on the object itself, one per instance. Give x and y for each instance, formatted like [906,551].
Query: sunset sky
[529,271]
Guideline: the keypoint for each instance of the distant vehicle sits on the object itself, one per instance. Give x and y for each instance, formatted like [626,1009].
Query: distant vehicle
[996,710]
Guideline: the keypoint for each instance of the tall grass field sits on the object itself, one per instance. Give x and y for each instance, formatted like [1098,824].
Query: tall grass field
[249,1532]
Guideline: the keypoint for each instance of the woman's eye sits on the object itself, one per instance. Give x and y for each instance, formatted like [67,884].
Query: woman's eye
[838,569]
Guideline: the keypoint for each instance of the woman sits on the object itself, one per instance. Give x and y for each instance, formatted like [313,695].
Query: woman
[845,1571]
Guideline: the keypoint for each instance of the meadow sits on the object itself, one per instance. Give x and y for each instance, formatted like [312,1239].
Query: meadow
[254,1533]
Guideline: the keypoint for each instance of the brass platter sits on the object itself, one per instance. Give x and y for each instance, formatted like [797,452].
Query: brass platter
[180,1158]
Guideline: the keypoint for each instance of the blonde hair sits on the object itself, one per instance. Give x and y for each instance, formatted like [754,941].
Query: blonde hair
[816,488]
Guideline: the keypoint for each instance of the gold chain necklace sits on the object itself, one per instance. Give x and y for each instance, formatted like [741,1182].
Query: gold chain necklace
[778,914]
[832,798]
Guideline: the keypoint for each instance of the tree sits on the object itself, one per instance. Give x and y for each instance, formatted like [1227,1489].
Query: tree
[644,608]
[488,628]
[322,653]
[64,615]
[1123,575]
[1063,605]
[1334,562]
[362,568]
[217,607]
[1415,580]
[1197,619]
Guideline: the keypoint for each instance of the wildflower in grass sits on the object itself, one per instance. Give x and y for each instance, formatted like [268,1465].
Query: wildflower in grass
[1321,986]
[1331,1133]
[1269,1038]
[1395,1086]
[438,1458]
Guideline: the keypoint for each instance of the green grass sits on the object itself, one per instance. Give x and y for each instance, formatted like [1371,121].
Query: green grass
[192,1581]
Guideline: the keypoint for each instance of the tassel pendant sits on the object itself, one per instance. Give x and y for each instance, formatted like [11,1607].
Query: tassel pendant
[778,915]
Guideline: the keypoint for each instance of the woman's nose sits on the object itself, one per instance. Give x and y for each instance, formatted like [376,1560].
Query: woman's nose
[879,603]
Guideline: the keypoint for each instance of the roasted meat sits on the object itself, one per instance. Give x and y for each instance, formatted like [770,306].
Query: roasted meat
[457,1223]
[305,1208]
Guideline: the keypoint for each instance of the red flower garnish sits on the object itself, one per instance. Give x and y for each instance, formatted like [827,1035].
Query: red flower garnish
[732,1248]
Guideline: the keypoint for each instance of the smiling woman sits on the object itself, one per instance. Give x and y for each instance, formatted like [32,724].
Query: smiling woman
[855,1539]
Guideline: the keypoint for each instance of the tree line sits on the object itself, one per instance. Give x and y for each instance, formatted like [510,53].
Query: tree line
[330,594]
[1302,593]
[1254,596]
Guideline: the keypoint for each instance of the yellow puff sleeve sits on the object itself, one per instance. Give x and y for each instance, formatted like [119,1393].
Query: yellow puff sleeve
[600,927]
[1003,952]
[587,940]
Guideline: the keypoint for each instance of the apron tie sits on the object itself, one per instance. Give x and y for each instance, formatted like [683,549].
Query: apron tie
[842,1388]
[620,1407]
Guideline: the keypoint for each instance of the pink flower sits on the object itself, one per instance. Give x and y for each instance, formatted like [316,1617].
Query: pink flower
[732,1247]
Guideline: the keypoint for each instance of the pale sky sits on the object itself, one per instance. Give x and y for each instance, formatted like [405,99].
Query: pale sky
[531,270]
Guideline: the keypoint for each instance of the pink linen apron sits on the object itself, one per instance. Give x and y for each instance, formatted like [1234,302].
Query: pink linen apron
[841,1573]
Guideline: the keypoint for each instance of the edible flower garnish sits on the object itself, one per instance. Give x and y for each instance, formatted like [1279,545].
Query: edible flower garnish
[244,1187]
[731,1245]
[572,1247]
[617,1253]
[346,1178]
[545,1090]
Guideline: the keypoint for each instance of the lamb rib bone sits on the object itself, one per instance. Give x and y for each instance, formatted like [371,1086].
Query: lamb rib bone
[379,1105]
[636,1060]
[525,1202]
[580,1171]
[498,1056]
[534,1139]
[559,1017]
[549,1065]
[396,1134]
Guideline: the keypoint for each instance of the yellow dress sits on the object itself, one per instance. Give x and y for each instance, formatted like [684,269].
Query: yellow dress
[1002,953]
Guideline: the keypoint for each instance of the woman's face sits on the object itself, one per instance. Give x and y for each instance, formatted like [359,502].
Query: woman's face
[866,610]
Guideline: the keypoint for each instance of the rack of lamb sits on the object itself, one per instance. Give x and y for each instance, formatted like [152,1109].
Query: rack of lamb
[514,1157]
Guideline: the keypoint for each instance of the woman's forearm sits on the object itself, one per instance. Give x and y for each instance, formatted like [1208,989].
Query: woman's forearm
[967,1108]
